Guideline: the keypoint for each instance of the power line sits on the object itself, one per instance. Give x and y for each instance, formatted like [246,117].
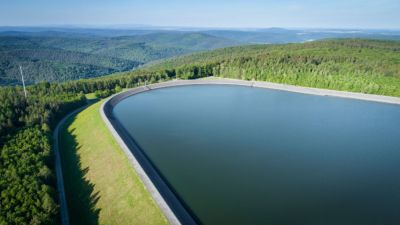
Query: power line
[23,81]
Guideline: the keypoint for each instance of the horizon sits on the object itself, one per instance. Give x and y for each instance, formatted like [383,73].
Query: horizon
[221,14]
[186,28]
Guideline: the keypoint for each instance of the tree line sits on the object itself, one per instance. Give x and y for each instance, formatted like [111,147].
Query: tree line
[367,66]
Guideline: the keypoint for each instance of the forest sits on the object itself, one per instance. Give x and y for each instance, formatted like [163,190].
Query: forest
[357,65]
[62,54]
[73,56]
[27,180]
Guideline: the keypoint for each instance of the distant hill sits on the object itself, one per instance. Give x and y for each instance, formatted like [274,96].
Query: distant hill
[52,57]
[142,48]
[60,54]
[280,36]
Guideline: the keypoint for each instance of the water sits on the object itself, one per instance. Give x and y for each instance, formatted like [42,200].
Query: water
[242,155]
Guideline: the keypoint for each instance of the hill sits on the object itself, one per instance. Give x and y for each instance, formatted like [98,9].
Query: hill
[281,36]
[41,63]
[142,48]
[59,54]
[369,66]
[52,57]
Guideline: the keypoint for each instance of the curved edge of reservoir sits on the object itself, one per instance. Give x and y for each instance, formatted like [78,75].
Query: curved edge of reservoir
[167,201]
[152,181]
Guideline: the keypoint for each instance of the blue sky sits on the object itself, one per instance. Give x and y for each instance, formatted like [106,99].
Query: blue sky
[204,13]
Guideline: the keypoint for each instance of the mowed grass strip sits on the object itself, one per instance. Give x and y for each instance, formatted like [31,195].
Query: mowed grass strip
[101,186]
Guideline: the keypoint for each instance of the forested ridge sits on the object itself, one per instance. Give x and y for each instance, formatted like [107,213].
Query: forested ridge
[368,66]
[27,182]
[43,63]
[57,58]
[73,54]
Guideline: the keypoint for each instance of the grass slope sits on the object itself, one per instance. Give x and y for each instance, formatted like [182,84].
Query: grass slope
[101,185]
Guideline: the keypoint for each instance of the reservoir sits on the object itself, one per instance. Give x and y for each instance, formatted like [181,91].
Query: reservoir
[244,155]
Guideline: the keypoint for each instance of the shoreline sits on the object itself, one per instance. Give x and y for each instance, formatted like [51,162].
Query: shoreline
[276,86]
[299,89]
[167,201]
[153,183]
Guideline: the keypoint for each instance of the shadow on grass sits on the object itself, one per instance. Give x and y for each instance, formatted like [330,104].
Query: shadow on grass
[80,194]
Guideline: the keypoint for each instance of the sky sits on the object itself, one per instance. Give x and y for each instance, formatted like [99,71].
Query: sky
[377,14]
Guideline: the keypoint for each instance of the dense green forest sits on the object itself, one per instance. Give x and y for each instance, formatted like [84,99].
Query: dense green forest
[55,58]
[48,64]
[61,54]
[27,180]
[368,66]
[27,185]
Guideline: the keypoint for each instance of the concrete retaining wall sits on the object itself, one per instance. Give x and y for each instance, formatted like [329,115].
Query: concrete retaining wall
[164,196]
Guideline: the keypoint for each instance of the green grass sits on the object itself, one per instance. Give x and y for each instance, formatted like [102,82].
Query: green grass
[101,185]
[91,96]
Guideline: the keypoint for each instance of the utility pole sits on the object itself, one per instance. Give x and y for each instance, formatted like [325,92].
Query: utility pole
[23,81]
